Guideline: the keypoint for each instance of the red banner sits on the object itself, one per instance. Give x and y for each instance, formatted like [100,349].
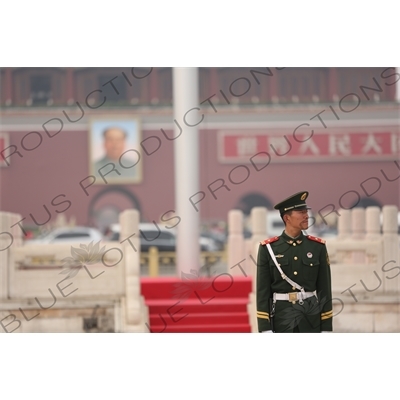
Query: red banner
[352,144]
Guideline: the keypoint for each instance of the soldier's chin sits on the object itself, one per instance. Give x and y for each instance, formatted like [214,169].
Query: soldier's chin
[305,226]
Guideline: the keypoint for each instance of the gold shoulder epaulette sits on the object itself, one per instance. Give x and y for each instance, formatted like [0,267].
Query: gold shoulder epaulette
[271,240]
[316,239]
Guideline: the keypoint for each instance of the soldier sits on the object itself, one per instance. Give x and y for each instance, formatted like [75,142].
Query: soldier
[293,275]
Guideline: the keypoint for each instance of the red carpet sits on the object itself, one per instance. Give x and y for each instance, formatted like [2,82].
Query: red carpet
[198,305]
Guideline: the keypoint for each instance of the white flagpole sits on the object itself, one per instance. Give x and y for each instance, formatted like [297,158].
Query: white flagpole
[185,99]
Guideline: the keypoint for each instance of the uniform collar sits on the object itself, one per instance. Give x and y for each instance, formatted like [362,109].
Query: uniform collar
[293,241]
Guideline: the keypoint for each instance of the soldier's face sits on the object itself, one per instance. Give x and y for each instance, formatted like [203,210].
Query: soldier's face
[298,219]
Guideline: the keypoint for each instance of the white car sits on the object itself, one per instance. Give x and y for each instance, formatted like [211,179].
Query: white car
[77,234]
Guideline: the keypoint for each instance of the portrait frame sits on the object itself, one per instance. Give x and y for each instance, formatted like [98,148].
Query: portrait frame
[129,165]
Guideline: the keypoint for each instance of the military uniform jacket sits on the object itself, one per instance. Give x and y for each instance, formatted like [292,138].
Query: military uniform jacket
[305,261]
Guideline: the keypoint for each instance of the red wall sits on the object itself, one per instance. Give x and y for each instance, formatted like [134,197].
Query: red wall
[60,163]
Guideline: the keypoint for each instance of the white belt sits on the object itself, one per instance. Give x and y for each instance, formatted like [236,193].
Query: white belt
[294,296]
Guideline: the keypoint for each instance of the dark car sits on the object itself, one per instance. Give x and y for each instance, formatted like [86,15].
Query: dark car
[163,240]
[218,238]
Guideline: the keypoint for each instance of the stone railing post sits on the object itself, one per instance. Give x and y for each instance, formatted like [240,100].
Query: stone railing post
[390,248]
[372,223]
[6,242]
[259,233]
[358,233]
[134,317]
[236,243]
[344,225]
[10,238]
[358,223]
[16,229]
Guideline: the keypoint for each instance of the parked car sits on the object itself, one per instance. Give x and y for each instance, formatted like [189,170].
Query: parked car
[218,239]
[162,238]
[77,234]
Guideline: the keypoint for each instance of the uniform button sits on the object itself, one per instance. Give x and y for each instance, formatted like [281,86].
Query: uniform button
[296,258]
[294,244]
[280,264]
[295,272]
[293,288]
[311,264]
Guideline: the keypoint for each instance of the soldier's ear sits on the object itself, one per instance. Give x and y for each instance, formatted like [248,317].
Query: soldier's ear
[286,216]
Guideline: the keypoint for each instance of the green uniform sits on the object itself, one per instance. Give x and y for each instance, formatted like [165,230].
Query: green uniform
[305,261]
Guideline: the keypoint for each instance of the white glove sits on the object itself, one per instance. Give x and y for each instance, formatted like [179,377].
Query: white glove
[267,332]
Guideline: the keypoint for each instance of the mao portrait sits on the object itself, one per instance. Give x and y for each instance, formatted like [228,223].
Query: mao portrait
[115,151]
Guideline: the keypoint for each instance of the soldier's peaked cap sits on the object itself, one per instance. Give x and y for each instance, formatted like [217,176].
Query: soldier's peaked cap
[295,202]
